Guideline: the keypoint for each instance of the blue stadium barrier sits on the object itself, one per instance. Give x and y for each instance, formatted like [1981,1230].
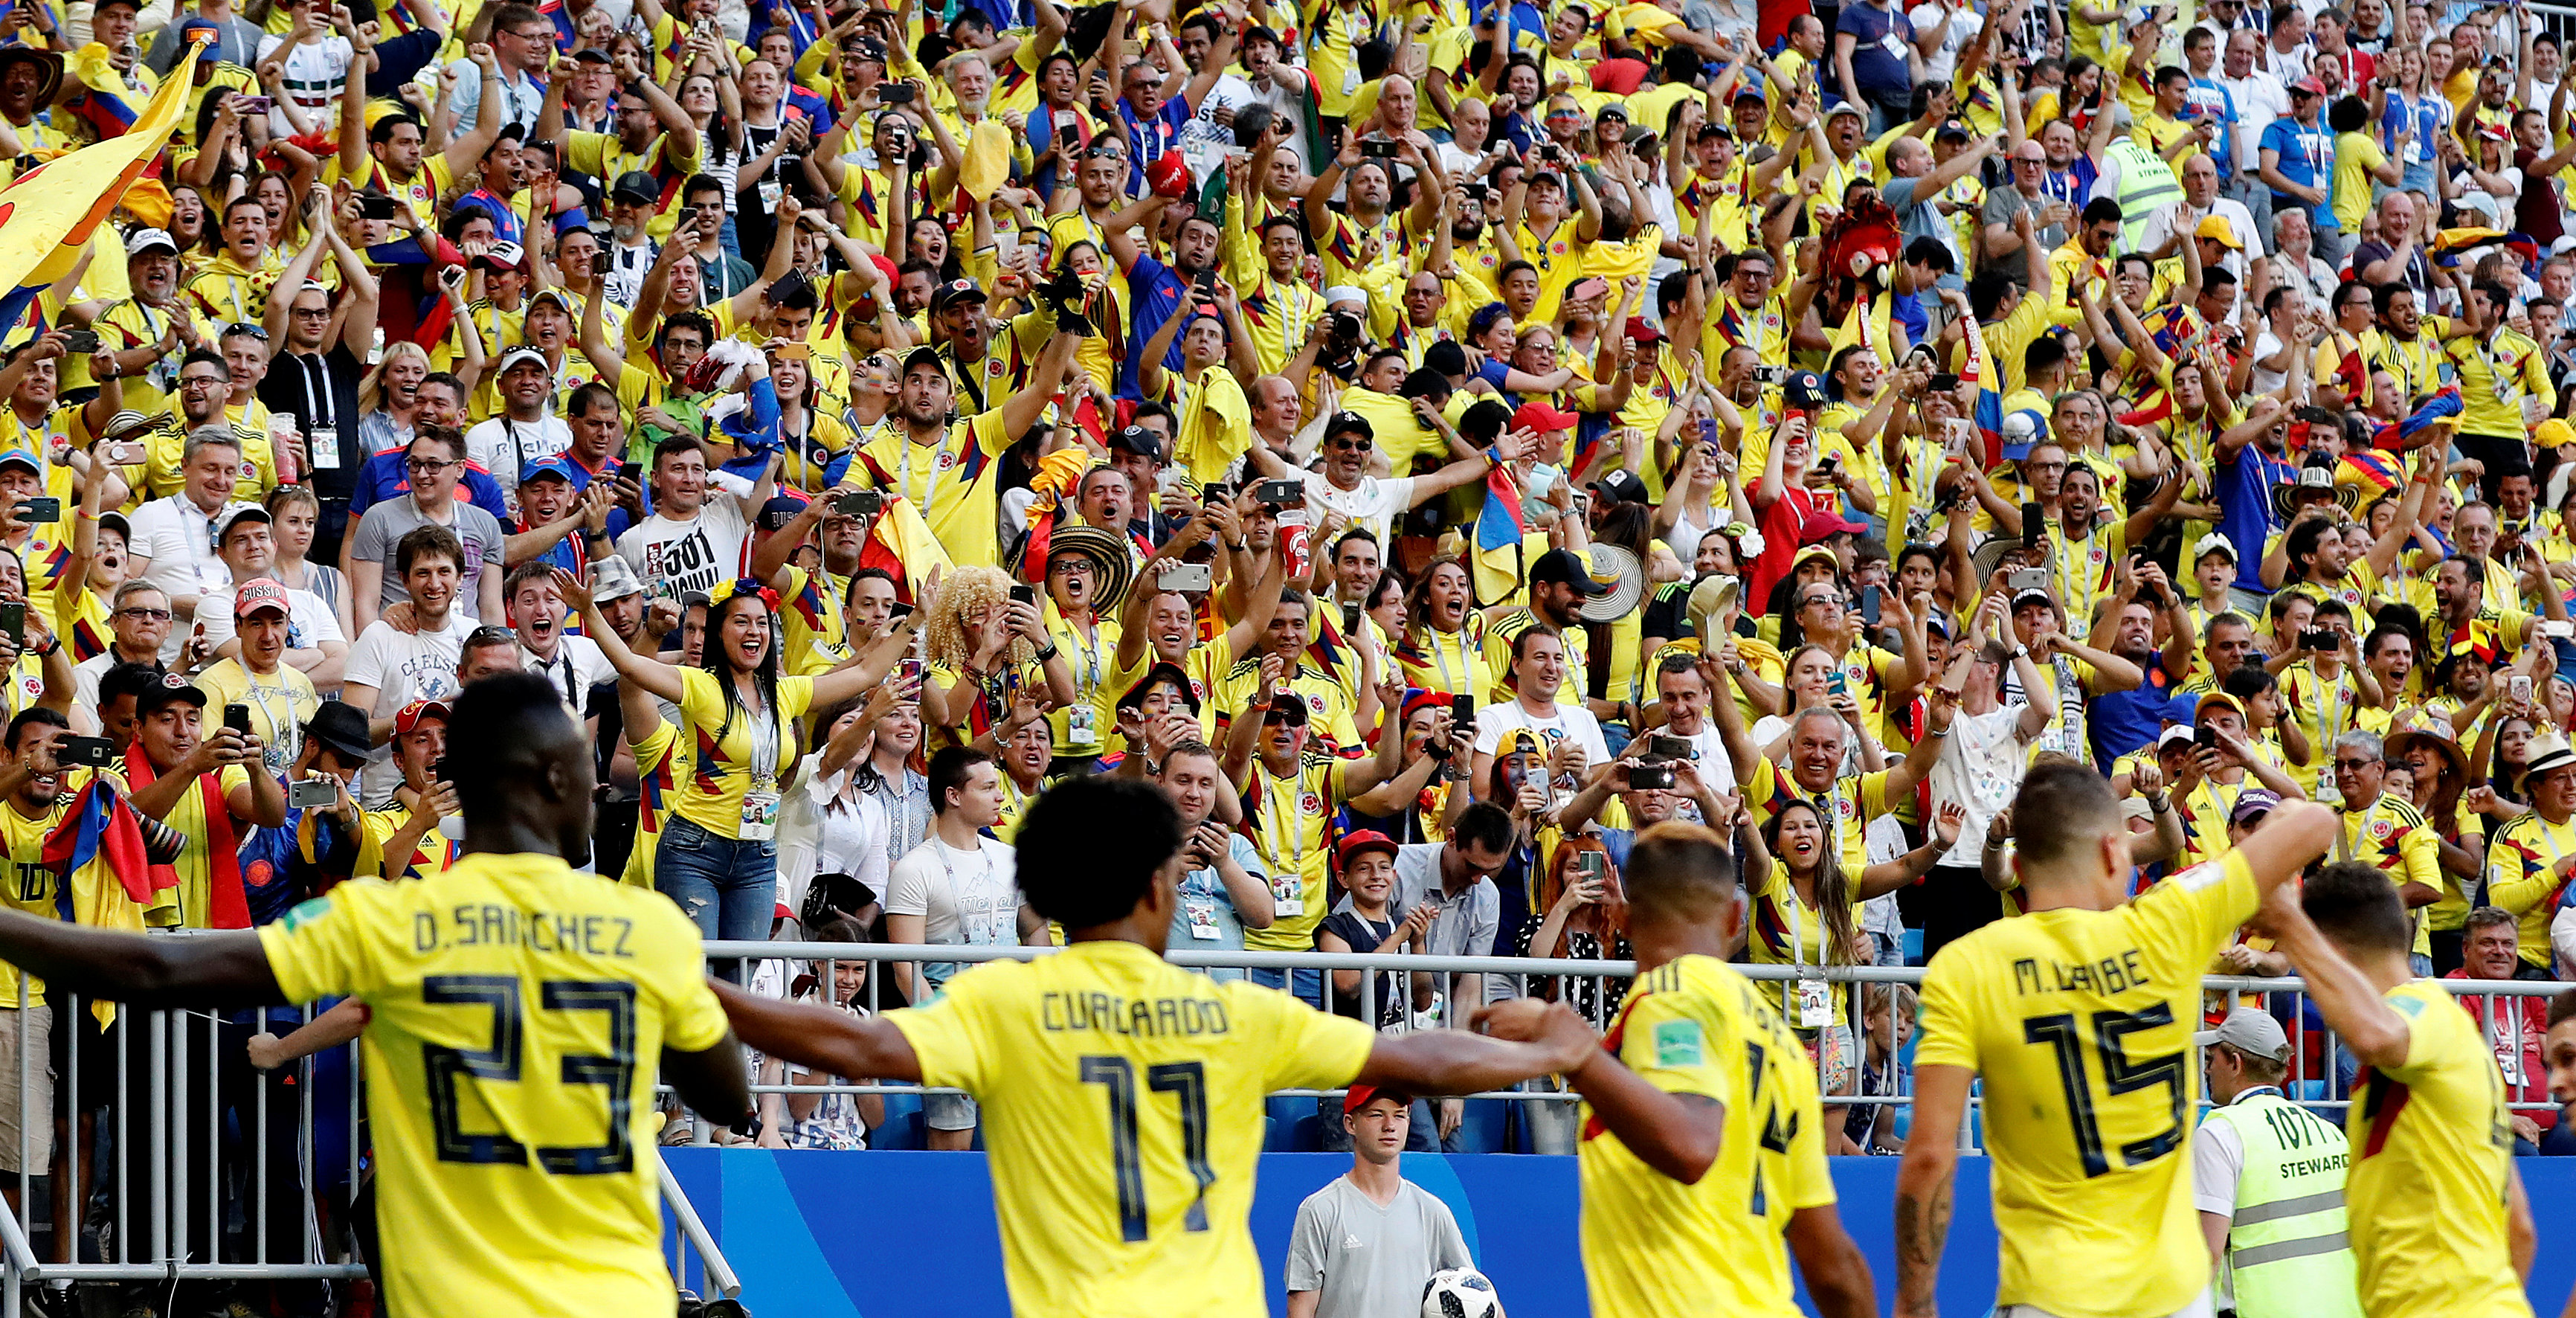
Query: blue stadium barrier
[817,1235]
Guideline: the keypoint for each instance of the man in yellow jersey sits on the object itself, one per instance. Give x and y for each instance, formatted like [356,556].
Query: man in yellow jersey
[951,468]
[1703,1152]
[2435,1209]
[519,1013]
[1122,1095]
[2078,1016]
[2531,855]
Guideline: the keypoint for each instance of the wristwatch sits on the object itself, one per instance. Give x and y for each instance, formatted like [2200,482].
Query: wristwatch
[1045,652]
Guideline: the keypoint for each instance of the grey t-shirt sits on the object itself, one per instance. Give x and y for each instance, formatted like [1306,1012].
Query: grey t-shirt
[386,523]
[2002,204]
[1369,1261]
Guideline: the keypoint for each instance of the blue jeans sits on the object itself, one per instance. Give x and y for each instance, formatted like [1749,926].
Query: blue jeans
[1308,985]
[728,887]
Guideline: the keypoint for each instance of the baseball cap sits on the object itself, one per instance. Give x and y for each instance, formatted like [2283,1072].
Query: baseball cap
[778,512]
[410,715]
[2252,804]
[144,240]
[235,516]
[1542,418]
[2248,1031]
[2177,734]
[1639,331]
[1361,1096]
[557,467]
[260,593]
[1621,485]
[2307,87]
[1349,423]
[171,689]
[505,255]
[1366,839]
[1138,440]
[1824,522]
[2217,228]
[23,458]
[635,185]
[517,356]
[1804,389]
[2213,543]
[614,581]
[1290,709]
[953,292]
[1561,565]
[2220,699]
[591,55]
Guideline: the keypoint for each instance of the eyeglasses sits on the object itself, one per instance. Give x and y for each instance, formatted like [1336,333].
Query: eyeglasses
[2355,765]
[207,380]
[1834,600]
[314,313]
[145,615]
[430,466]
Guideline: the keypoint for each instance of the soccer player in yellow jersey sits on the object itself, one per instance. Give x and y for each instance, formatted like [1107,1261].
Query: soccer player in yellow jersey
[1703,1153]
[2438,1221]
[518,1013]
[1122,1095]
[2078,1016]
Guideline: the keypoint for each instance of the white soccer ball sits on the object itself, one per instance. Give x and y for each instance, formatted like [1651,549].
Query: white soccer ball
[1460,1293]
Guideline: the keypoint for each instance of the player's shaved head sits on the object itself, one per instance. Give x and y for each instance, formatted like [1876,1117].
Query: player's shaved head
[523,772]
[1680,874]
[2061,815]
[2355,905]
[1092,849]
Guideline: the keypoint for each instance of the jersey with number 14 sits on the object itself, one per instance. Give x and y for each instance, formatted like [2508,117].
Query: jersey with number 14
[1654,1247]
[1122,1101]
[2080,1023]
[520,1011]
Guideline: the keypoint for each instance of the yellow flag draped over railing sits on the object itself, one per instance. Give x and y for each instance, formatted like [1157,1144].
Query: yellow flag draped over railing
[48,213]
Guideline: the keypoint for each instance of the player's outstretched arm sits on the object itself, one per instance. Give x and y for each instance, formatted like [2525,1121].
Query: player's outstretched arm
[2376,1032]
[1456,1062]
[1679,1135]
[1836,1272]
[714,1082]
[204,970]
[1923,1185]
[819,1037]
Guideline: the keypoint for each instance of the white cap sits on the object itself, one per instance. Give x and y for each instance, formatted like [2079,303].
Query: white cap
[144,240]
[523,354]
[2248,1031]
[1344,293]
[2214,543]
[506,253]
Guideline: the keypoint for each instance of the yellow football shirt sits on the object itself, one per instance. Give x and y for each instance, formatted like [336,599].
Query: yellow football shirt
[28,885]
[520,1010]
[955,483]
[1291,823]
[2080,1023]
[1122,1102]
[817,636]
[431,854]
[725,747]
[657,758]
[1654,1246]
[190,904]
[2432,1144]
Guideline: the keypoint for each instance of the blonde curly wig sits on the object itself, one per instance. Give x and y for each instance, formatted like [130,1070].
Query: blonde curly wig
[963,593]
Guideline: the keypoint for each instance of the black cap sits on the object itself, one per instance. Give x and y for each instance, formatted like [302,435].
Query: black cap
[1349,423]
[1563,566]
[591,55]
[1621,485]
[925,355]
[1805,389]
[635,185]
[1290,707]
[780,510]
[170,690]
[953,292]
[340,726]
[1139,441]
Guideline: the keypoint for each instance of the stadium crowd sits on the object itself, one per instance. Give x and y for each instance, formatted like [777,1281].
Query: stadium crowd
[1432,441]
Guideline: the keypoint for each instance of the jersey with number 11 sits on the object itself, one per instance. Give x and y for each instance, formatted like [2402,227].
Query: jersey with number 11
[519,1015]
[1122,1101]
[2079,1023]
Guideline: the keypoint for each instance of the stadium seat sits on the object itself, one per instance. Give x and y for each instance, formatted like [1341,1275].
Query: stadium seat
[1285,1113]
[1914,947]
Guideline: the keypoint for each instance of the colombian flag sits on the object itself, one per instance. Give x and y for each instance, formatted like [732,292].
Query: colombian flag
[108,105]
[1500,525]
[106,879]
[48,214]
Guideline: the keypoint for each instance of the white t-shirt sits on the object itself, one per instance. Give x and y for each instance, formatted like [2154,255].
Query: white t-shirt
[314,73]
[1204,141]
[309,621]
[403,667]
[502,447]
[1964,22]
[674,557]
[967,898]
[1981,769]
[179,541]
[1374,505]
[1569,721]
[1709,759]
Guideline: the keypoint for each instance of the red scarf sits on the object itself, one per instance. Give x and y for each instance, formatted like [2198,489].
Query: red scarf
[227,908]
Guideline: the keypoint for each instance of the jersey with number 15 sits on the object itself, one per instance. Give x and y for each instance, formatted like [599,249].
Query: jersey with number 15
[520,1011]
[1122,1103]
[2080,1023]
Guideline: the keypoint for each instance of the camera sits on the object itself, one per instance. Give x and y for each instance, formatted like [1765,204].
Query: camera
[1344,329]
[860,503]
[1650,777]
[376,206]
[1771,375]
[1669,748]
[1377,148]
[894,93]
[42,508]
[311,792]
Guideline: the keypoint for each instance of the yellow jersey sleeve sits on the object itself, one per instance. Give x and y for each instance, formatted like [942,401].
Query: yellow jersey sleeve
[328,945]
[1673,1047]
[948,1035]
[1311,1049]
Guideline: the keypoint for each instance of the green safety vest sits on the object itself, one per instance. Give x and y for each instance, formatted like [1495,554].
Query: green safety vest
[2286,1250]
[2147,185]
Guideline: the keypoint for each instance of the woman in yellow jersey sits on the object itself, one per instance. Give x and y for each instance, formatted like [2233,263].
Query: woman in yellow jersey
[739,722]
[1444,633]
[817,444]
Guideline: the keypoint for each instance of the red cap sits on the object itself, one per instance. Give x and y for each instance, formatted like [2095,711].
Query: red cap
[1542,418]
[413,713]
[1641,332]
[1824,522]
[260,593]
[1169,176]
[1361,1096]
[2309,85]
[1367,839]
